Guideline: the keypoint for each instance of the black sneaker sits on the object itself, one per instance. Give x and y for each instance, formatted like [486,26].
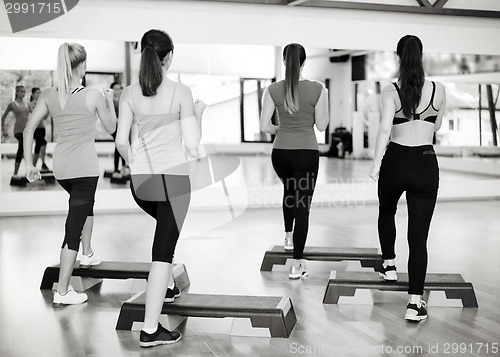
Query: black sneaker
[162,336]
[415,313]
[44,168]
[389,273]
[172,294]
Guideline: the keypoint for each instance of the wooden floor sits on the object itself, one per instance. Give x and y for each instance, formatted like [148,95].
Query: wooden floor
[464,239]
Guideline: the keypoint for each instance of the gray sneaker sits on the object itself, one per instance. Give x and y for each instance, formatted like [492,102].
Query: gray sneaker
[288,245]
[299,271]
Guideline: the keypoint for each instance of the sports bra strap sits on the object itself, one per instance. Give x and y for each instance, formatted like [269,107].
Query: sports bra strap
[433,92]
[397,90]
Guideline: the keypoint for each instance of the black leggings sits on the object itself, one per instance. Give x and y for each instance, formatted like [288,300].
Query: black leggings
[298,170]
[81,205]
[19,153]
[165,198]
[413,169]
[39,137]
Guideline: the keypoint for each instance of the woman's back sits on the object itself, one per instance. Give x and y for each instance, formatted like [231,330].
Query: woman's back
[418,130]
[296,131]
[156,144]
[75,154]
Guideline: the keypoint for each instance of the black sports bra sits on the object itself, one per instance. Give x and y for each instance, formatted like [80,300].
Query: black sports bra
[429,114]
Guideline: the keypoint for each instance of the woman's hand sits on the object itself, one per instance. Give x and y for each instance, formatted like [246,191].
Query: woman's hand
[32,173]
[374,172]
[108,95]
[199,107]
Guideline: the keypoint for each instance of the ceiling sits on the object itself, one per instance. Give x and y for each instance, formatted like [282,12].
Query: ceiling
[451,26]
[476,8]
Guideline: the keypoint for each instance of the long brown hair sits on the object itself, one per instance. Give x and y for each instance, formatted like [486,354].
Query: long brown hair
[155,45]
[411,73]
[294,56]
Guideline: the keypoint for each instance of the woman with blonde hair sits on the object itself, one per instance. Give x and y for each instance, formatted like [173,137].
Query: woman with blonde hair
[75,110]
[21,112]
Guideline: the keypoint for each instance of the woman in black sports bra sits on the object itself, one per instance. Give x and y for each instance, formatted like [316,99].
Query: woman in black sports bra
[412,112]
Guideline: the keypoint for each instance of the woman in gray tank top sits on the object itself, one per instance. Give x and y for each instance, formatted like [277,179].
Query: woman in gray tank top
[76,167]
[300,104]
[157,120]
[21,113]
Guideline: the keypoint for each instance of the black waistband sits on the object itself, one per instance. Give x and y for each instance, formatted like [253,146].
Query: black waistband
[410,149]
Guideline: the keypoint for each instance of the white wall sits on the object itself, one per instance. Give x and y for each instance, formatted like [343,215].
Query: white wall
[250,61]
[20,53]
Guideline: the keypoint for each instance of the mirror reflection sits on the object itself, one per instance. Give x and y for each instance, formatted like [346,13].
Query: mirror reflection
[231,80]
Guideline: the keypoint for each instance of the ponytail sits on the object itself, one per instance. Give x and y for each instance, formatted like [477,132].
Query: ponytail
[69,57]
[150,72]
[411,73]
[155,46]
[294,56]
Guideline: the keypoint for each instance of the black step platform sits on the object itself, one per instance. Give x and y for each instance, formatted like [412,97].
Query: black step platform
[120,180]
[368,257]
[47,176]
[345,283]
[111,270]
[18,180]
[272,312]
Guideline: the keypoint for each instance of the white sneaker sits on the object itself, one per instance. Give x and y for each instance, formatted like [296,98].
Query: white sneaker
[87,262]
[288,245]
[70,298]
[125,171]
[299,271]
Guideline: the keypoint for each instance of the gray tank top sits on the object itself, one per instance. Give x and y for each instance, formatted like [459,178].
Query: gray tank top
[21,113]
[158,146]
[74,154]
[296,131]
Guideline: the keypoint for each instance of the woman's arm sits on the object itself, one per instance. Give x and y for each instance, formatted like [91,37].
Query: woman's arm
[442,94]
[190,123]
[40,111]
[125,121]
[384,130]
[268,108]
[7,111]
[199,108]
[322,118]
[104,107]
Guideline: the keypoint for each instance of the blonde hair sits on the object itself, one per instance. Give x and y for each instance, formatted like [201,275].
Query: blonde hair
[70,55]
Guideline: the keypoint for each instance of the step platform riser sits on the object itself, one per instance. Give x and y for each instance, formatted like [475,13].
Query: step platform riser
[86,278]
[276,256]
[345,284]
[276,314]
